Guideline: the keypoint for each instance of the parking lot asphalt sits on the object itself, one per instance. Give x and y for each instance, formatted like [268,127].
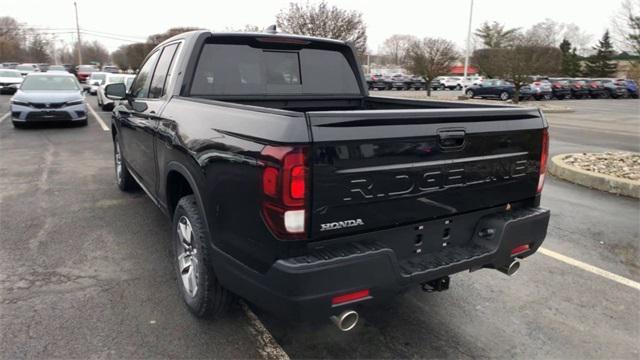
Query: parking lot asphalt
[85,270]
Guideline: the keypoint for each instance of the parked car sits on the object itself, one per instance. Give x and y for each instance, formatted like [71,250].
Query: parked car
[632,88]
[10,81]
[376,82]
[9,65]
[95,80]
[541,89]
[615,88]
[578,88]
[48,97]
[84,71]
[111,69]
[317,210]
[495,88]
[436,84]
[106,103]
[27,68]
[398,82]
[452,83]
[57,68]
[416,82]
[560,88]
[596,89]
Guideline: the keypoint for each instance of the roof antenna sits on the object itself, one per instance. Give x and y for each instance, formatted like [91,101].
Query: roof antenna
[271,29]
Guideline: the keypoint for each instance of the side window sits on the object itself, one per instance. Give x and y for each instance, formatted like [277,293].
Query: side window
[140,87]
[162,71]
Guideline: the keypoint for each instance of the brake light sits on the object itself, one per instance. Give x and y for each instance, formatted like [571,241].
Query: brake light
[357,295]
[543,158]
[284,190]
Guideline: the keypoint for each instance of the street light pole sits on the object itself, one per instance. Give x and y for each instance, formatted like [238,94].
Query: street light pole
[78,45]
[466,55]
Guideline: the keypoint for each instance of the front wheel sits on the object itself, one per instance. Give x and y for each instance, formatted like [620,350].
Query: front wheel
[125,181]
[200,289]
[470,94]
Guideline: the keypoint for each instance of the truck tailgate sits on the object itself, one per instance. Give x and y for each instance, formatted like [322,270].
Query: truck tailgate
[379,169]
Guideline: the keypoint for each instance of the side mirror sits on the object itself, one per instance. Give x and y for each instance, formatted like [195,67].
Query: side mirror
[117,91]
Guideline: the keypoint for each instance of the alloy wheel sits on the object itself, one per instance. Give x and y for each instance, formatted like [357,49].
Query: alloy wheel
[187,261]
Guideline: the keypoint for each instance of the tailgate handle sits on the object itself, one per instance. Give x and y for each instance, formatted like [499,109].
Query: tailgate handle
[451,139]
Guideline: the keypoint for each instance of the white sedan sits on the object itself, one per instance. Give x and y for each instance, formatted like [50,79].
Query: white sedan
[10,80]
[105,103]
[95,80]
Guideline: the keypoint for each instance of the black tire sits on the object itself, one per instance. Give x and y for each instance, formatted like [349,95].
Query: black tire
[125,181]
[634,96]
[560,97]
[80,123]
[470,94]
[208,299]
[504,96]
[104,107]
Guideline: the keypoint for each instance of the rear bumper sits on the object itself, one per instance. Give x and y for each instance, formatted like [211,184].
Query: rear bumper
[303,287]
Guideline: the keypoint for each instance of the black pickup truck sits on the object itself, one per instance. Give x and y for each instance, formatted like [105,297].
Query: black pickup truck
[289,186]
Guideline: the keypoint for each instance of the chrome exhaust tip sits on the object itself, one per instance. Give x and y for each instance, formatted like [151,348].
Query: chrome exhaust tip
[346,321]
[511,268]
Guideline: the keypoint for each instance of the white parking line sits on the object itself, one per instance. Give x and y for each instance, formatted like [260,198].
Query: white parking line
[268,347]
[5,116]
[590,268]
[98,118]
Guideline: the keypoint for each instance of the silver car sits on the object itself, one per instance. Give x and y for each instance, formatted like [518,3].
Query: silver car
[49,97]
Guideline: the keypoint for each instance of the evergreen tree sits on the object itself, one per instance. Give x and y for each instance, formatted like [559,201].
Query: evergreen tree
[570,65]
[600,65]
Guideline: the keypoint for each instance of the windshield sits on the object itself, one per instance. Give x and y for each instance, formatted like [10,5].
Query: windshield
[115,79]
[10,74]
[51,82]
[232,69]
[87,68]
[24,67]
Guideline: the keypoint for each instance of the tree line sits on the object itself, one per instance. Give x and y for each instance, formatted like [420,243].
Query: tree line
[547,48]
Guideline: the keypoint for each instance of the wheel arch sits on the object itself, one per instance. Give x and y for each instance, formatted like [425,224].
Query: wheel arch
[177,175]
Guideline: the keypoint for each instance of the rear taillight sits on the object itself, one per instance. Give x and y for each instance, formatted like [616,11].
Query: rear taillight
[544,156]
[284,190]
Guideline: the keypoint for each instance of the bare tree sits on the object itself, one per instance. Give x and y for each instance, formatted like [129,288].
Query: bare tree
[13,40]
[431,58]
[494,35]
[324,21]
[156,39]
[395,47]
[527,58]
[626,26]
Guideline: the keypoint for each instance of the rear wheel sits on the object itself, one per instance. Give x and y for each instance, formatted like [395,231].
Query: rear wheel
[125,181]
[504,96]
[200,289]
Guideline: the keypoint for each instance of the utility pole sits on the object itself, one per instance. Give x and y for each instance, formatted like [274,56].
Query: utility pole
[78,45]
[466,55]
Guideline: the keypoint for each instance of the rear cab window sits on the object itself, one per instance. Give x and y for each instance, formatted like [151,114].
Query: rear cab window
[254,68]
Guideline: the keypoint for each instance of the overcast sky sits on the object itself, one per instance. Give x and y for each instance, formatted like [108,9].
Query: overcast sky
[122,20]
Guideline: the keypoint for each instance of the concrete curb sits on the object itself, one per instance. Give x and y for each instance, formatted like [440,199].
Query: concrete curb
[560,169]
[557,111]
